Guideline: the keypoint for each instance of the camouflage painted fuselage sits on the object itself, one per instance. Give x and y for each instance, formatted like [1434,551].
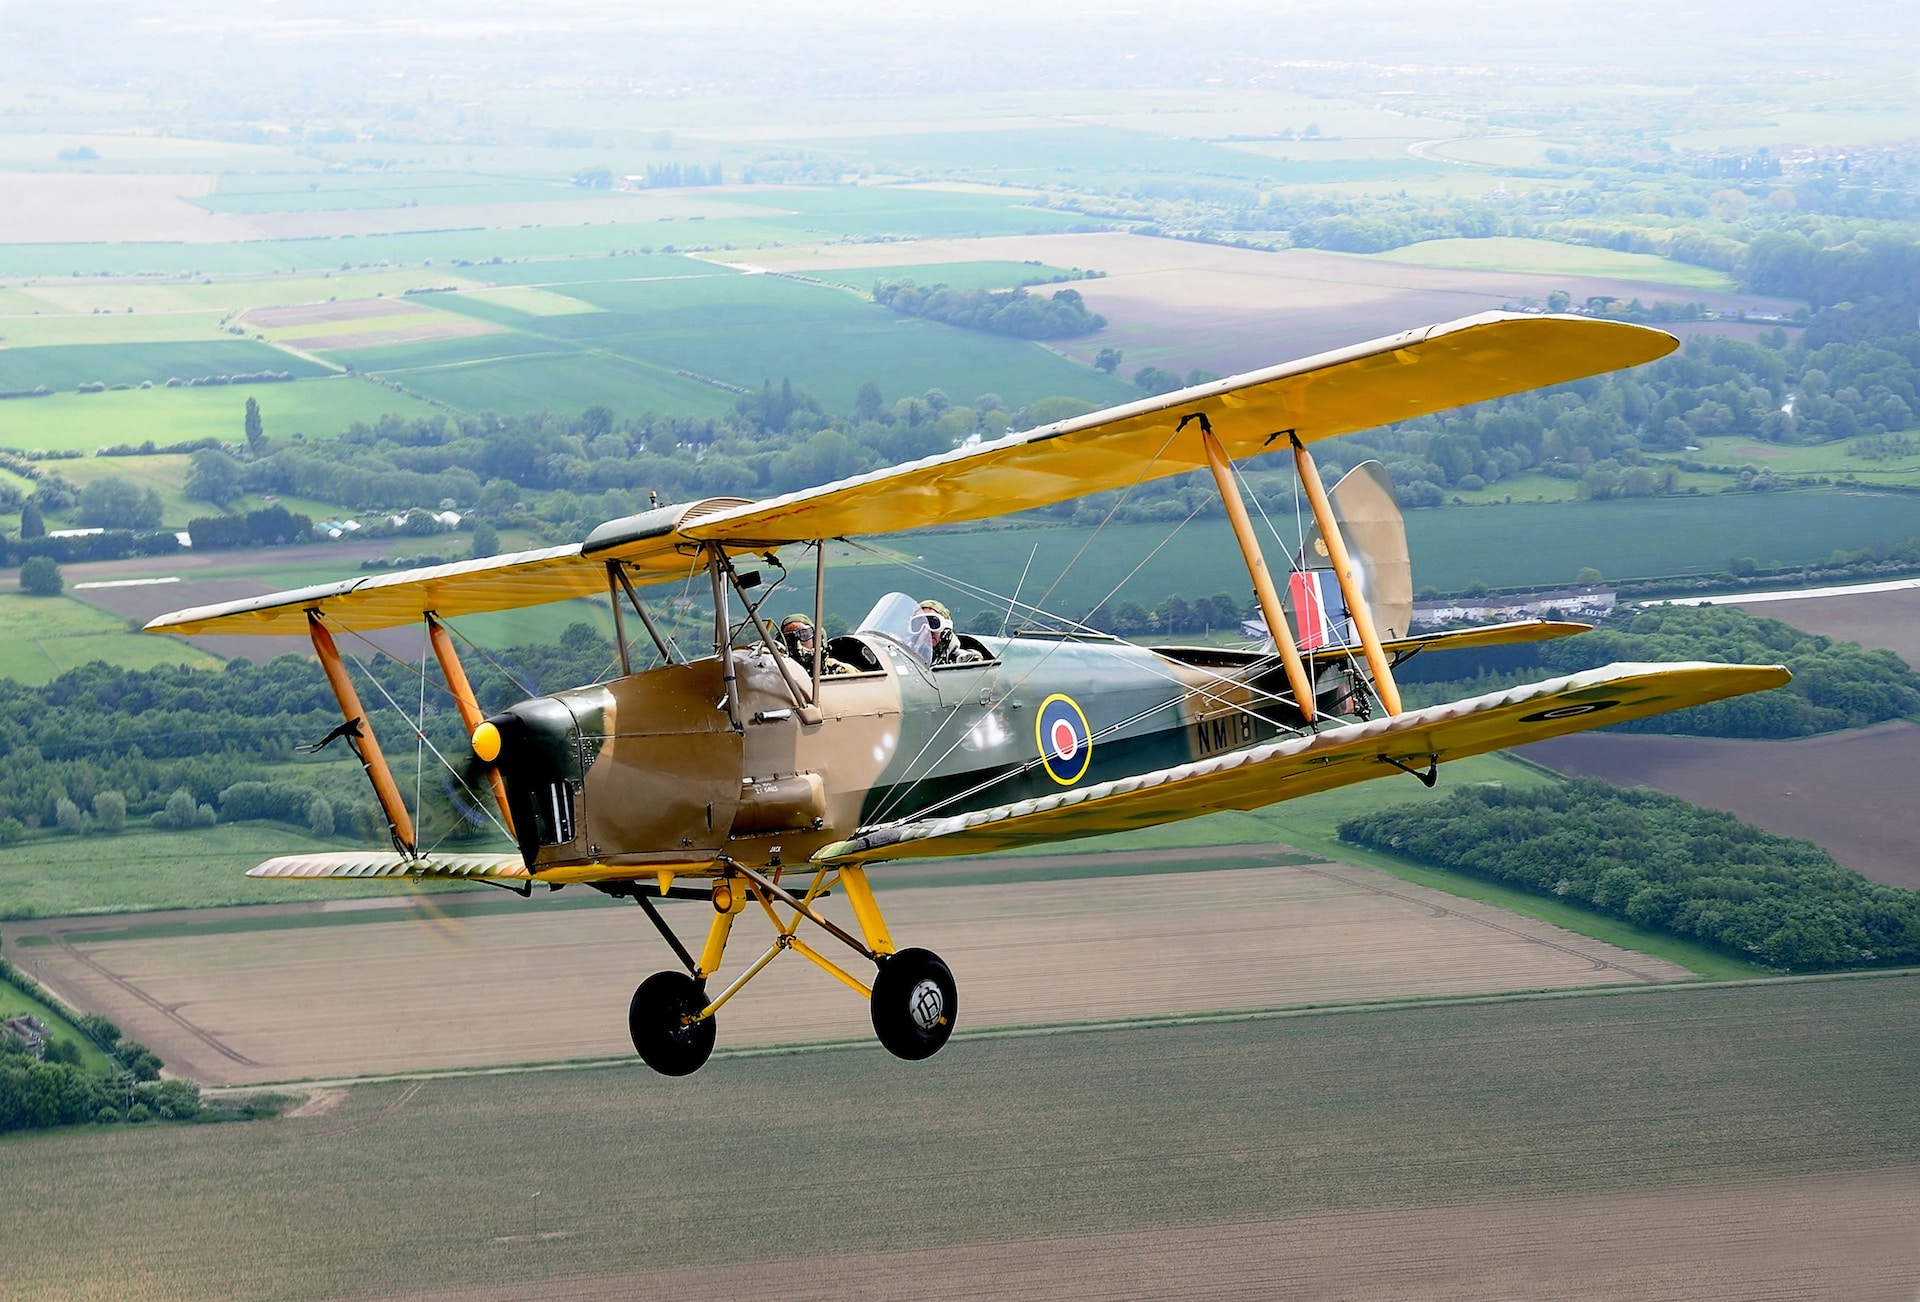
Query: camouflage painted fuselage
[649,770]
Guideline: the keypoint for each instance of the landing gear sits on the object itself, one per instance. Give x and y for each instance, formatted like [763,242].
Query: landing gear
[659,1020]
[913,1001]
[914,1004]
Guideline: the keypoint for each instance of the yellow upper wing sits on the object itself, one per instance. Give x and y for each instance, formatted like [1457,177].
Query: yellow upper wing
[1336,757]
[1406,375]
[651,545]
[1403,376]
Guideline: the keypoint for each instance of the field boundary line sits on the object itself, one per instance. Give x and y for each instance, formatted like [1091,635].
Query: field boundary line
[1031,1031]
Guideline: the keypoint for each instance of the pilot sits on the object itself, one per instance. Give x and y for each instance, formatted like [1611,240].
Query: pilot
[936,622]
[797,632]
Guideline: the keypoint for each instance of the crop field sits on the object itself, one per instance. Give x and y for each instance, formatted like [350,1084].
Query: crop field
[43,637]
[1716,1142]
[318,408]
[1850,792]
[742,216]
[422,993]
[1103,156]
[1181,304]
[738,329]
[1549,257]
[327,191]
[71,365]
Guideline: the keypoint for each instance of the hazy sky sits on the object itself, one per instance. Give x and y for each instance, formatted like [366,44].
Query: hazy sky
[838,47]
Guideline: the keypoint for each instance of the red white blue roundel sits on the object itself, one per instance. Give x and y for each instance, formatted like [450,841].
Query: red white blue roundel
[1066,743]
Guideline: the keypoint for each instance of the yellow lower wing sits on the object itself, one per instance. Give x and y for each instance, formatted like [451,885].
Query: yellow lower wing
[451,867]
[1336,757]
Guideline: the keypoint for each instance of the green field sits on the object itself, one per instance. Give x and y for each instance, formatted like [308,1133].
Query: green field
[1829,459]
[1548,257]
[1523,545]
[1114,1131]
[742,330]
[141,869]
[43,637]
[793,215]
[69,365]
[82,422]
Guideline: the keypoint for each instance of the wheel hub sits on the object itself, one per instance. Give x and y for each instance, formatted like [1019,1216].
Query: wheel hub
[926,1004]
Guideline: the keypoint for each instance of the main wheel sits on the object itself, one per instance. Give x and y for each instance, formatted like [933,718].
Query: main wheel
[666,1041]
[914,1004]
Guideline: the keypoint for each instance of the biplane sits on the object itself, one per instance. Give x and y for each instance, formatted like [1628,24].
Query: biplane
[748,778]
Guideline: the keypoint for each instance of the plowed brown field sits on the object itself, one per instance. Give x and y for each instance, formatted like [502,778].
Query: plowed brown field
[1850,793]
[387,996]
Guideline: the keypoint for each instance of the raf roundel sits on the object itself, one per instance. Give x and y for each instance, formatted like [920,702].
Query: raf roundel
[1066,743]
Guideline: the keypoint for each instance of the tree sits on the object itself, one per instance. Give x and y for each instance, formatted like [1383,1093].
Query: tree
[867,403]
[41,576]
[213,476]
[1588,576]
[71,818]
[31,523]
[1107,359]
[486,540]
[1559,301]
[110,808]
[112,503]
[256,433]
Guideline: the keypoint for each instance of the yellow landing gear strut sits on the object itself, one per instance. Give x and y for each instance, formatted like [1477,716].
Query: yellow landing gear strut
[912,999]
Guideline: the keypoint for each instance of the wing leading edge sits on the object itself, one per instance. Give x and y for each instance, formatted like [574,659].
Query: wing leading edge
[1336,757]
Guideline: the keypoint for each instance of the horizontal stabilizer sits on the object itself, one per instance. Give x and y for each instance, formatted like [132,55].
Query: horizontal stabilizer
[445,867]
[1334,757]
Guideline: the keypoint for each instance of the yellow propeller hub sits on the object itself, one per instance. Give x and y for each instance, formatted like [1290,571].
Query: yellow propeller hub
[486,742]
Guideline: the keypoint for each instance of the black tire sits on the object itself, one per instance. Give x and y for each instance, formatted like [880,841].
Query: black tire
[915,1004]
[666,1043]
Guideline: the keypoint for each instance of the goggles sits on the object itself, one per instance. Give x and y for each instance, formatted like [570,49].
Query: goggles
[927,621]
[799,632]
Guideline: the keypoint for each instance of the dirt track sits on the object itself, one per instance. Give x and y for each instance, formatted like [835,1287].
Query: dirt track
[384,996]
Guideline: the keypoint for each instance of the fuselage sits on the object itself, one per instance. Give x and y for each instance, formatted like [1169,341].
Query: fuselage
[650,769]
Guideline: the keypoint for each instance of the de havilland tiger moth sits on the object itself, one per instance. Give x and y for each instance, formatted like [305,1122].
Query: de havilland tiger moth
[765,772]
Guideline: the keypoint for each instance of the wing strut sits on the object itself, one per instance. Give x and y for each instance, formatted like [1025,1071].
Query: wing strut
[1270,606]
[399,822]
[469,707]
[1349,578]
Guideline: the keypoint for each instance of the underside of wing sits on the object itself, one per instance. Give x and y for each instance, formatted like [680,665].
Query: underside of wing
[652,546]
[1468,639]
[1411,374]
[353,864]
[1332,758]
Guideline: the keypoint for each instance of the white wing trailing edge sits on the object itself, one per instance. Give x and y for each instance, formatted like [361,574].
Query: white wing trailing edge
[351,864]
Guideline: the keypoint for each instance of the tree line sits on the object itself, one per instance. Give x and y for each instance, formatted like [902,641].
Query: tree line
[1659,863]
[1003,312]
[1835,684]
